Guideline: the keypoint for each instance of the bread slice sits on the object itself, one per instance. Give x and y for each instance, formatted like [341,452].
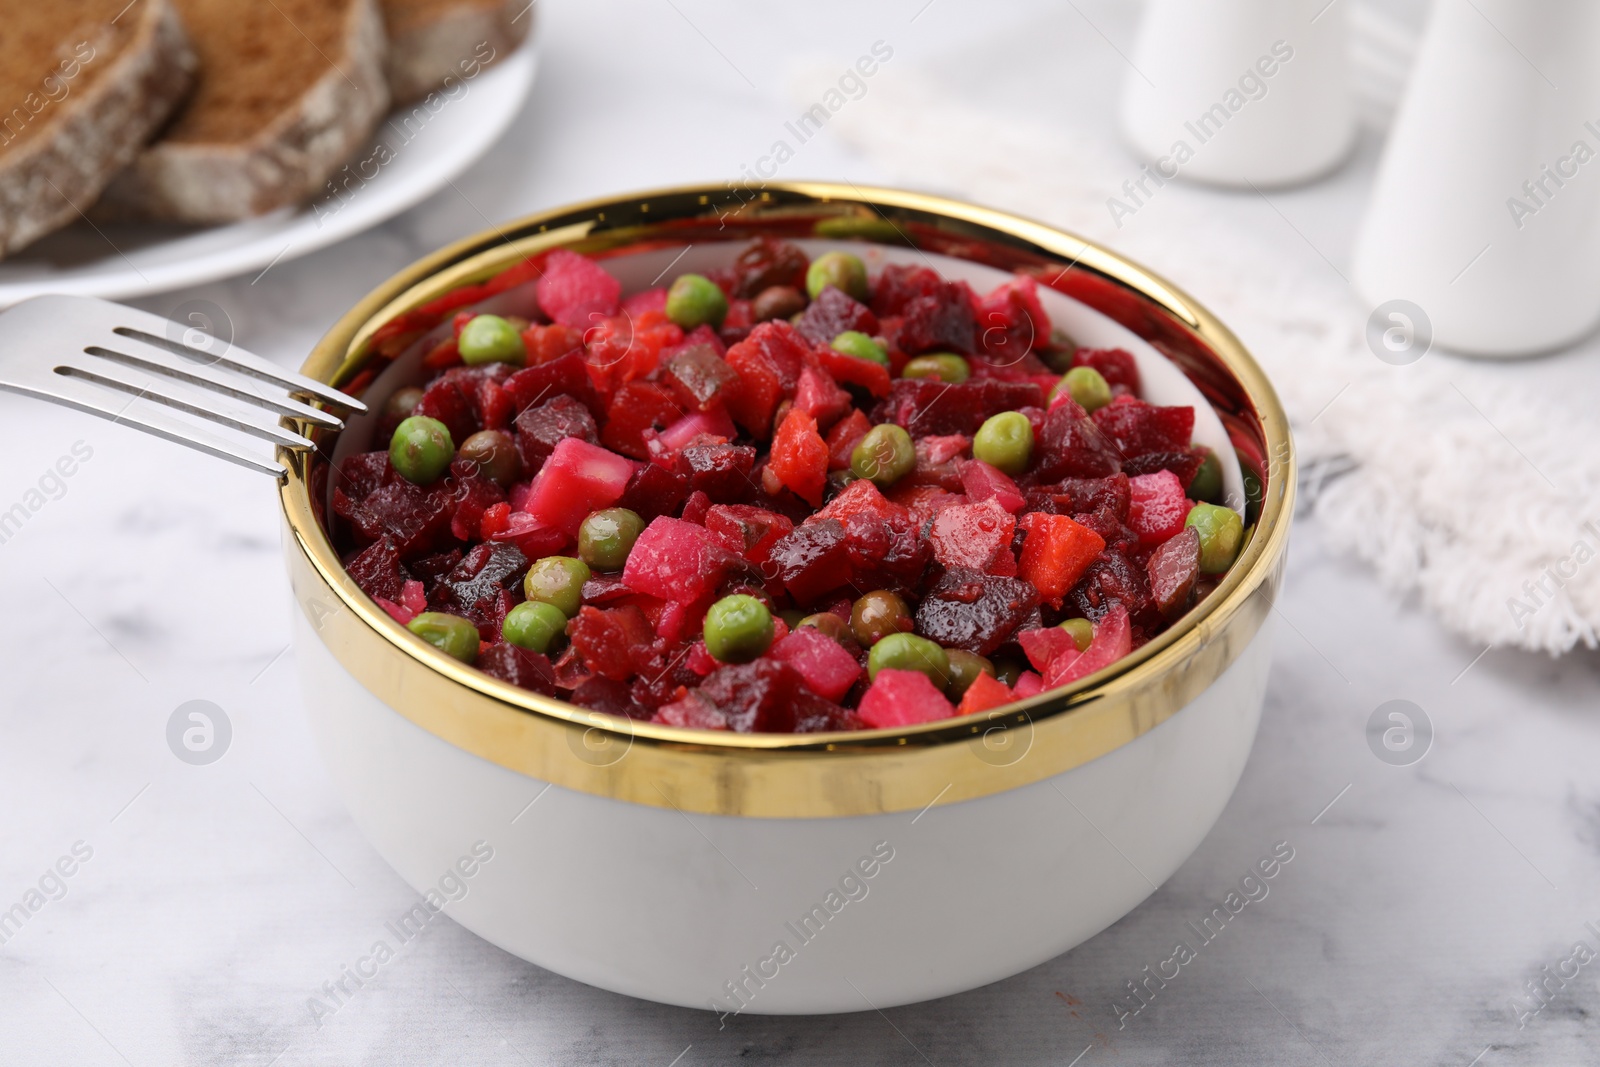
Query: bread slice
[89,82]
[431,40]
[288,90]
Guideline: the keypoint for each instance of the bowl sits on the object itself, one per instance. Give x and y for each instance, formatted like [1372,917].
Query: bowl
[783,874]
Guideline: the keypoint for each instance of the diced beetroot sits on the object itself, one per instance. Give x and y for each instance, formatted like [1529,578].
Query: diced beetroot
[938,458]
[545,343]
[695,508]
[818,396]
[700,660]
[1011,320]
[520,667]
[413,597]
[859,497]
[1185,464]
[1056,554]
[1116,366]
[577,479]
[416,518]
[752,401]
[1109,581]
[485,572]
[737,323]
[721,471]
[610,640]
[446,401]
[646,300]
[702,334]
[766,696]
[1074,496]
[1156,507]
[473,495]
[749,531]
[605,695]
[621,349]
[972,535]
[975,611]
[376,570]
[850,370]
[544,426]
[925,406]
[823,663]
[1072,446]
[769,261]
[1113,639]
[939,321]
[655,490]
[1028,685]
[699,376]
[900,283]
[842,439]
[800,457]
[684,618]
[812,560]
[1044,645]
[713,423]
[576,291]
[1136,427]
[692,712]
[399,614]
[363,472]
[533,538]
[832,313]
[1173,569]
[676,560]
[986,692]
[902,698]
[983,482]
[562,376]
[495,408]
[924,501]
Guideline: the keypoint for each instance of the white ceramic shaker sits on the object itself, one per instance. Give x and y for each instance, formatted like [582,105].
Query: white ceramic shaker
[1240,92]
[1486,209]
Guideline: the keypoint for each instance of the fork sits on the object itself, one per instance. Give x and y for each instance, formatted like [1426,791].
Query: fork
[142,370]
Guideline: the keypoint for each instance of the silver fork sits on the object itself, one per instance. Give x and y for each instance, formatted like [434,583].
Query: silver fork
[142,370]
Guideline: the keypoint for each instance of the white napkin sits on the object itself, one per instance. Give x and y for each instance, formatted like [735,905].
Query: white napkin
[1463,487]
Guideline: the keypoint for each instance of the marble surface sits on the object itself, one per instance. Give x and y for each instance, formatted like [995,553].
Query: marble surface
[215,900]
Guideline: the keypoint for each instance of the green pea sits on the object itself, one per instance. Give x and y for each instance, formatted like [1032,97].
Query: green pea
[1086,386]
[1207,482]
[421,449]
[945,366]
[877,615]
[738,629]
[533,625]
[1057,355]
[1008,671]
[402,402]
[695,300]
[868,229]
[964,670]
[1005,441]
[884,455]
[491,339]
[606,537]
[841,270]
[557,580]
[1221,534]
[450,634]
[857,344]
[494,452]
[1082,631]
[908,652]
[826,622]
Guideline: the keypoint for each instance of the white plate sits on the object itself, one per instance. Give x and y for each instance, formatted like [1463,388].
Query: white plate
[415,153]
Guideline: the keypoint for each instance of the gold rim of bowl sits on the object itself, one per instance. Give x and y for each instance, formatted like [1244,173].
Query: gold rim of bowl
[806,775]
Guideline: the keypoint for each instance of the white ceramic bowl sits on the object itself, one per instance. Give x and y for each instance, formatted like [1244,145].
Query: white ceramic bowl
[796,874]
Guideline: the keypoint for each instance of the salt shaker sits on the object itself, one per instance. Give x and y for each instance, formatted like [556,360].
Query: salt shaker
[1486,210]
[1240,92]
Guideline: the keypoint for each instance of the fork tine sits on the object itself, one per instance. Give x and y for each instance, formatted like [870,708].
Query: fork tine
[78,394]
[200,375]
[150,391]
[244,362]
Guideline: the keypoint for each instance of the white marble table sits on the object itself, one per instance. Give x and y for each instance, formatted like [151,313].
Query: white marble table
[216,900]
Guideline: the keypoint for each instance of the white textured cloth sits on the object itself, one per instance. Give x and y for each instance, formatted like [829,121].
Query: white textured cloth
[1459,485]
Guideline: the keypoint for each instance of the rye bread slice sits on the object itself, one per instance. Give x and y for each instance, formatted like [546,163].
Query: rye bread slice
[433,40]
[90,82]
[288,90]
